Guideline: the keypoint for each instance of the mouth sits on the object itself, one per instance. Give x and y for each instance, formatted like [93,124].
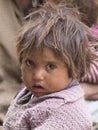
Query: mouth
[37,88]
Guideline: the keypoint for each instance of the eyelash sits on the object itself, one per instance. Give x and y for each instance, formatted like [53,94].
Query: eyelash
[49,66]
[29,63]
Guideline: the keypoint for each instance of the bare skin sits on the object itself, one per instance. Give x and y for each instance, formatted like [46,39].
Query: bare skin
[45,74]
[90,90]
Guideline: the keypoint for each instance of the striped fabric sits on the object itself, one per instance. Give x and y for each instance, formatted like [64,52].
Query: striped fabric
[92,76]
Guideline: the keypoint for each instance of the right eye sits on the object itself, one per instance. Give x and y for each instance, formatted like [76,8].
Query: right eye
[51,66]
[29,63]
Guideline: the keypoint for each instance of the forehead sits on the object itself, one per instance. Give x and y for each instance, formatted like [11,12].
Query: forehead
[45,54]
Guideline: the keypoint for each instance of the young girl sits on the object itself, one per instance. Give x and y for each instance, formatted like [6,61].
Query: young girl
[89,82]
[53,54]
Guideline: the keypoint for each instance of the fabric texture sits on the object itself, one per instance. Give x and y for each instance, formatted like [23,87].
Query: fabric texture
[92,76]
[64,110]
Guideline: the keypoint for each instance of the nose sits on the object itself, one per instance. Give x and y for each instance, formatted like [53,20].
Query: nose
[38,75]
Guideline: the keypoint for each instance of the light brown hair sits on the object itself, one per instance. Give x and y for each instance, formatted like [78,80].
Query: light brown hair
[87,8]
[57,28]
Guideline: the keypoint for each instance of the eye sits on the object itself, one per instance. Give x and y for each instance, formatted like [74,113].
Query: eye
[29,63]
[51,66]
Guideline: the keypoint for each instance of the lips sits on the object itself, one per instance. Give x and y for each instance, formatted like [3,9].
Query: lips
[37,88]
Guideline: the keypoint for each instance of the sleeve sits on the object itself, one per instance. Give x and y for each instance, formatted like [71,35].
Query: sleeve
[67,119]
[69,116]
[92,76]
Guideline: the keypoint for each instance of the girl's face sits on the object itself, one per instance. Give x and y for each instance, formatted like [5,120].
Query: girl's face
[43,73]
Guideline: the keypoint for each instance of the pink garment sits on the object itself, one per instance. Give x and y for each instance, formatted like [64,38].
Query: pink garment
[64,110]
[92,76]
[94,30]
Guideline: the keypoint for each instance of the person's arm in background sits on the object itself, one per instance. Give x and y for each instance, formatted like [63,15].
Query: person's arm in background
[90,90]
[89,82]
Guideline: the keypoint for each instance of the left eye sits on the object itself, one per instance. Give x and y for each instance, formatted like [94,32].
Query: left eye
[29,63]
[51,66]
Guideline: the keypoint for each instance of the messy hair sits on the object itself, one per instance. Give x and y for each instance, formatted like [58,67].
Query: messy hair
[59,29]
[87,8]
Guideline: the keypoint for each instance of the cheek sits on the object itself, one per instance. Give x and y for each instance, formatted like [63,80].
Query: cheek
[24,70]
[62,79]
[26,79]
[25,74]
[54,82]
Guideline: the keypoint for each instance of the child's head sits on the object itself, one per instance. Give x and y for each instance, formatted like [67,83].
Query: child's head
[52,45]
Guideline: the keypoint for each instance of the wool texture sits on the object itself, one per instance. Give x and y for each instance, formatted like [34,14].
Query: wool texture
[64,110]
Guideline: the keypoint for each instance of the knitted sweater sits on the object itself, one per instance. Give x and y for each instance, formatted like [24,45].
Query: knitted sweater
[64,110]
